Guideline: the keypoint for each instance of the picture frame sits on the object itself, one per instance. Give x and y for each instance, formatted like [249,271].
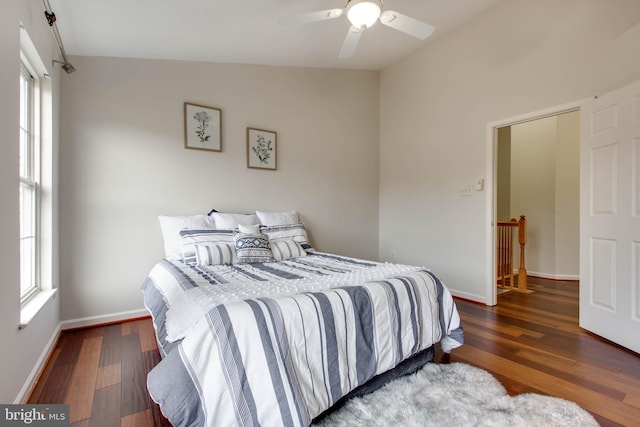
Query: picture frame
[262,152]
[202,127]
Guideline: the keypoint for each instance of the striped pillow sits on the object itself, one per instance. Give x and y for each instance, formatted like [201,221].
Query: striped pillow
[286,249]
[252,248]
[193,237]
[215,253]
[295,232]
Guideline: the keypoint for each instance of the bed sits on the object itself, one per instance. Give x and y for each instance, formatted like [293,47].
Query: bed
[255,327]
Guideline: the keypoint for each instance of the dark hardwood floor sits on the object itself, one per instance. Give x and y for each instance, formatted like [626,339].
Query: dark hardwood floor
[532,344]
[529,342]
[101,372]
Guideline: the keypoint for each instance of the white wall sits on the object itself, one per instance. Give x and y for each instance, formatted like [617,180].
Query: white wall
[545,179]
[123,163]
[567,203]
[521,56]
[503,174]
[21,349]
[533,185]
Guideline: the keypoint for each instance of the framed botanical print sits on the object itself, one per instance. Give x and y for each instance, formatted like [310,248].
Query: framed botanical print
[202,127]
[262,149]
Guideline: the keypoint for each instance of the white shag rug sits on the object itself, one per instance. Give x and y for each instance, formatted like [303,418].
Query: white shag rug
[455,394]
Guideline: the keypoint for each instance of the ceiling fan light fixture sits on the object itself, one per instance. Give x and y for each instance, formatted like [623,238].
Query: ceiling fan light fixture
[363,13]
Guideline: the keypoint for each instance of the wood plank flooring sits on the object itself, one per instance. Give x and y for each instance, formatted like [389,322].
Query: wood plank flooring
[532,344]
[101,372]
[529,342]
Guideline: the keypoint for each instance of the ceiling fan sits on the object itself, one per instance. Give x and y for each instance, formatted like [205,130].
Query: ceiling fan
[362,14]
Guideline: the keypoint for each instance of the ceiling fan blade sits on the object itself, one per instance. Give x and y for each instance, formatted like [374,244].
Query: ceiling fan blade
[406,24]
[321,15]
[350,42]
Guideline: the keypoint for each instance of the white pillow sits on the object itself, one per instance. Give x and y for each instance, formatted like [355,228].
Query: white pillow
[278,218]
[230,221]
[171,226]
[249,229]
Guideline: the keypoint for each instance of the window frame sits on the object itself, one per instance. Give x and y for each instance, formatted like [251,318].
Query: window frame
[29,176]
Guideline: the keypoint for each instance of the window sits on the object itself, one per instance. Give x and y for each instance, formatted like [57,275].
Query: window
[29,182]
[38,263]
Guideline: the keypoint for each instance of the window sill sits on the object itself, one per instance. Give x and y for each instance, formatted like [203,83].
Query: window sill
[34,305]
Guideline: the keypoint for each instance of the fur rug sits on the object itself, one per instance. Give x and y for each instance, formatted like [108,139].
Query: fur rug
[456,394]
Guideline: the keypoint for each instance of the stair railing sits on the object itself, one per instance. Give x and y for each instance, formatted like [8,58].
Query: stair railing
[505,236]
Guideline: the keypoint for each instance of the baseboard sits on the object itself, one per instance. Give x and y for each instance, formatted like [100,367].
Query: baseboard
[102,319]
[33,377]
[468,296]
[553,276]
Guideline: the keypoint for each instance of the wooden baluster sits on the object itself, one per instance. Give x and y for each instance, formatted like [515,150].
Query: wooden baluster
[510,257]
[499,255]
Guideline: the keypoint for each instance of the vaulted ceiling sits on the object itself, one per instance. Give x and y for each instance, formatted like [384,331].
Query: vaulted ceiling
[247,31]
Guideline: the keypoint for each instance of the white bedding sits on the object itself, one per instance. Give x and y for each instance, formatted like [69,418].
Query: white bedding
[278,343]
[284,360]
[191,305]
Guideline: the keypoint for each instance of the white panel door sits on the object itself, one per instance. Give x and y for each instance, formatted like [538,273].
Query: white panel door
[610,216]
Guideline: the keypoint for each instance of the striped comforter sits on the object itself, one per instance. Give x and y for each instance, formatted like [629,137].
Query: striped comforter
[283,358]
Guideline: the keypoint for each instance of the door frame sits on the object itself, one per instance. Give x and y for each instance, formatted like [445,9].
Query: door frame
[491,296]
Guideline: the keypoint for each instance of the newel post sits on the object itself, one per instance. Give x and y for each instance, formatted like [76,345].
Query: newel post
[522,239]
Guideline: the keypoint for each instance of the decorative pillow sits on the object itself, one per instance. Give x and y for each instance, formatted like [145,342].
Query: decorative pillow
[193,237]
[251,248]
[211,253]
[278,218]
[286,249]
[171,226]
[230,221]
[295,232]
[249,229]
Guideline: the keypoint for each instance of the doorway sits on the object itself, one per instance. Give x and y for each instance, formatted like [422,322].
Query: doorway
[534,161]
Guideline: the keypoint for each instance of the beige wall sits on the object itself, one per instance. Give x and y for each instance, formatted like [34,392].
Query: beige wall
[567,203]
[520,57]
[545,187]
[533,182]
[503,174]
[21,349]
[123,163]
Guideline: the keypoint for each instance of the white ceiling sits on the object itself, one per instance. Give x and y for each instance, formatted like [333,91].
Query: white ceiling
[246,31]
